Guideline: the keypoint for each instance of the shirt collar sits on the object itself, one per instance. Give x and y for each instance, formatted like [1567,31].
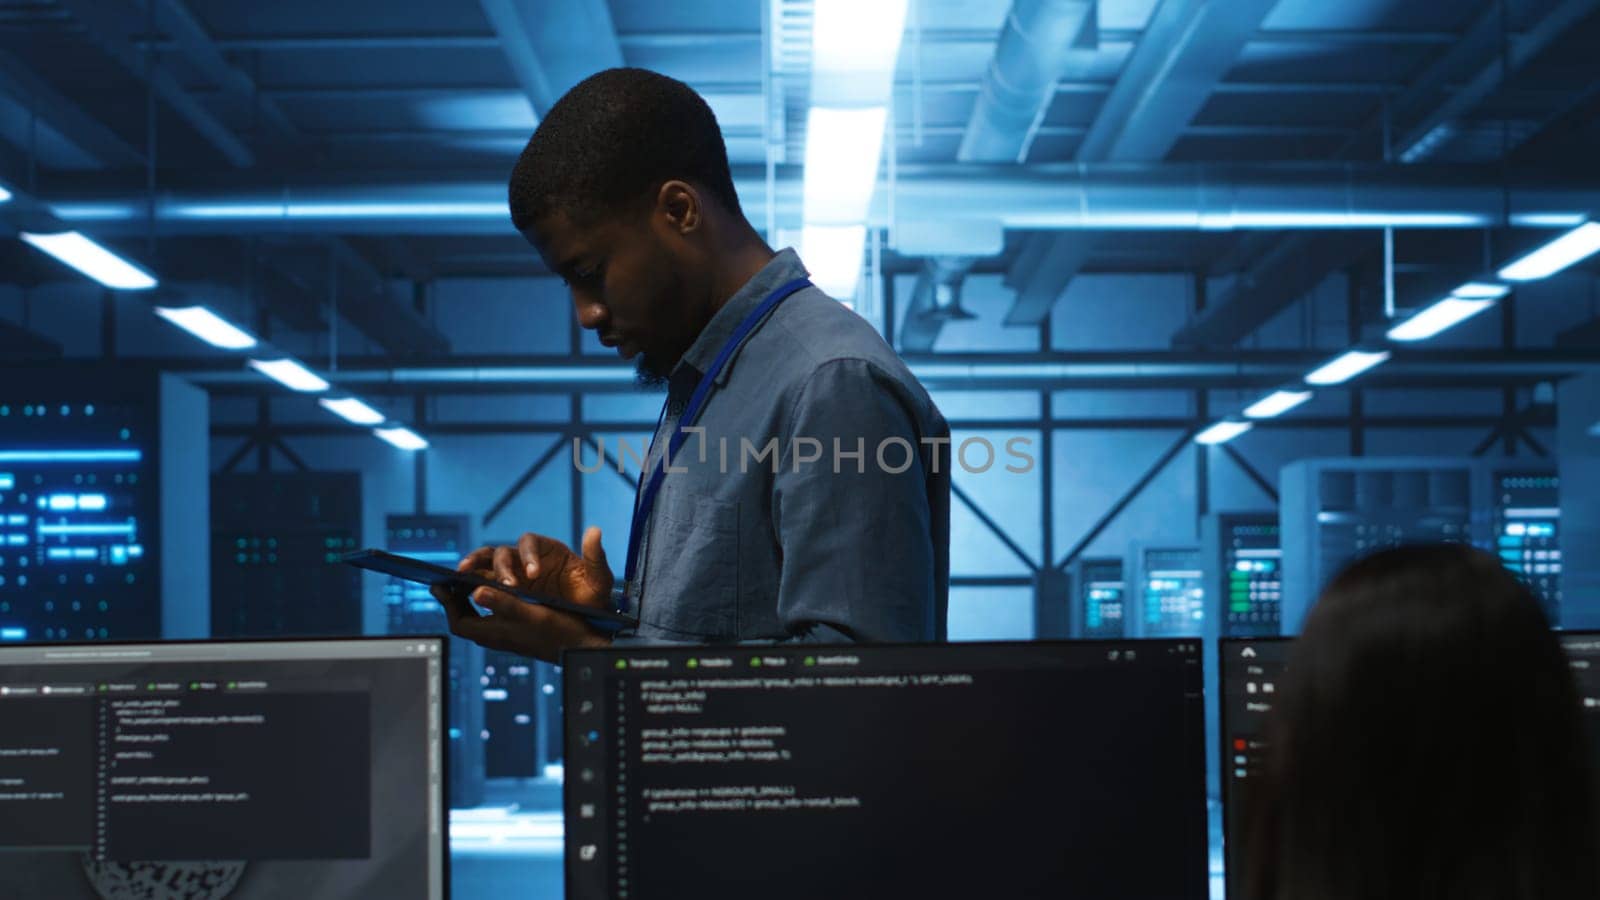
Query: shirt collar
[783,268]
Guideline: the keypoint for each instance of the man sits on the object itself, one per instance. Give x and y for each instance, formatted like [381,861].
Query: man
[809,497]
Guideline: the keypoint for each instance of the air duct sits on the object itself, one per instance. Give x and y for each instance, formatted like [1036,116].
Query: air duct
[1100,197]
[1029,57]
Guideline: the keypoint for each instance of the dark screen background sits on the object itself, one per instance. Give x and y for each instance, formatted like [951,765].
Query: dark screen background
[394,866]
[1048,775]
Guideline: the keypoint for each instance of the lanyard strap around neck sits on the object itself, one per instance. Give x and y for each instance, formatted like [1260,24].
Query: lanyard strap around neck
[691,413]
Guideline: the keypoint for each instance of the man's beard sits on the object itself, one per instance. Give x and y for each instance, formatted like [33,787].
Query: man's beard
[649,374]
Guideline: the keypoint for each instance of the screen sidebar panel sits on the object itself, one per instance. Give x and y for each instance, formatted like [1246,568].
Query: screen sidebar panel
[1251,673]
[945,771]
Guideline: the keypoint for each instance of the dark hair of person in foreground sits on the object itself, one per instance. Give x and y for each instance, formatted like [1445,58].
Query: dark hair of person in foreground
[1427,743]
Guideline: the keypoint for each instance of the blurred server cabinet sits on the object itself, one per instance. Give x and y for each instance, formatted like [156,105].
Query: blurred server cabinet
[103,481]
[552,743]
[1578,450]
[1101,598]
[276,538]
[1334,511]
[512,723]
[411,609]
[1167,590]
[1526,527]
[1244,573]
[1052,604]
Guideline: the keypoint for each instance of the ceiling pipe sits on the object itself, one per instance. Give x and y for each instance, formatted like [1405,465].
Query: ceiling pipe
[1034,46]
[1128,369]
[1102,197]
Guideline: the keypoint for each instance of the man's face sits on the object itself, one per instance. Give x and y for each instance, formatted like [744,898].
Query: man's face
[626,285]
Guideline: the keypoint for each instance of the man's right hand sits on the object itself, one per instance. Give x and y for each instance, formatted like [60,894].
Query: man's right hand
[543,567]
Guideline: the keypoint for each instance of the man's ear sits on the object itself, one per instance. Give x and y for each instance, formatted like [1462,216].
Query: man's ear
[678,204]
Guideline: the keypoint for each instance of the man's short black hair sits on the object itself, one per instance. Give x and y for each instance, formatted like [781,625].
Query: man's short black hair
[610,142]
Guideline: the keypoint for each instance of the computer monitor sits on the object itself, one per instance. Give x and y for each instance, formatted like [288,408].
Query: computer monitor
[1252,673]
[1037,769]
[246,770]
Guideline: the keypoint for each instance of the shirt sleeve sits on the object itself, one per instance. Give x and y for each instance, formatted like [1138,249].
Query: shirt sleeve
[851,509]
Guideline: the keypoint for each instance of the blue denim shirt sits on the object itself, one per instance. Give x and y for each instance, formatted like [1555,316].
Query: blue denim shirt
[815,503]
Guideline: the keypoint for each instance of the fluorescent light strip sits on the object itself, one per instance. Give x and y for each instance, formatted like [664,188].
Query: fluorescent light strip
[851,36]
[92,260]
[833,254]
[4,194]
[353,411]
[1276,404]
[1571,248]
[291,374]
[1481,290]
[1222,432]
[843,148]
[1438,318]
[207,326]
[402,437]
[1346,366]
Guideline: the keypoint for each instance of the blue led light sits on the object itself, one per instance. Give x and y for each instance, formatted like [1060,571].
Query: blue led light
[69,456]
[92,502]
[13,634]
[70,530]
[7,481]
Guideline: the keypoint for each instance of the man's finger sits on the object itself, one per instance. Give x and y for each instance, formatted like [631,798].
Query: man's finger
[528,548]
[455,600]
[594,552]
[505,566]
[495,601]
[477,559]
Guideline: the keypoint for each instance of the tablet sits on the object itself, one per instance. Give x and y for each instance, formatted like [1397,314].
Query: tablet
[404,567]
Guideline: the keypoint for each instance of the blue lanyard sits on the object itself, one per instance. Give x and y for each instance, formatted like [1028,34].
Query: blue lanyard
[697,401]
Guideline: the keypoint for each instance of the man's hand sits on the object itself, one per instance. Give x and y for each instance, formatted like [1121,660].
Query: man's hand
[541,566]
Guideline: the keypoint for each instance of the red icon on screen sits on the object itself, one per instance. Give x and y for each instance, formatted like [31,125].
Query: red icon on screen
[1239,744]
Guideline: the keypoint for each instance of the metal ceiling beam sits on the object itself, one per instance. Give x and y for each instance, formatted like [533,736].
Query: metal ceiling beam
[393,326]
[86,134]
[1259,294]
[1578,337]
[1292,267]
[115,29]
[1520,49]
[197,47]
[373,308]
[554,44]
[24,345]
[1182,56]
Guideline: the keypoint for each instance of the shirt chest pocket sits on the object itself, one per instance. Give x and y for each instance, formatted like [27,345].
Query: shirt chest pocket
[691,570]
